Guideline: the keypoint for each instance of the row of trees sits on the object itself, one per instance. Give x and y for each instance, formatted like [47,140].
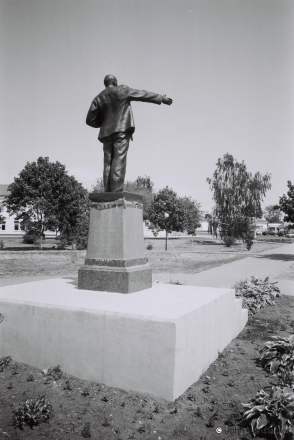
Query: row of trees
[45,198]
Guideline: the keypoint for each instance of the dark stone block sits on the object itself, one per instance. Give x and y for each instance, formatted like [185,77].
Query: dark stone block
[115,263]
[115,279]
[113,196]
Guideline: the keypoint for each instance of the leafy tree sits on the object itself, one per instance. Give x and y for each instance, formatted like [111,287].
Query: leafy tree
[213,223]
[237,191]
[184,213]
[192,214]
[98,185]
[77,235]
[238,227]
[272,214]
[238,195]
[45,197]
[142,185]
[287,203]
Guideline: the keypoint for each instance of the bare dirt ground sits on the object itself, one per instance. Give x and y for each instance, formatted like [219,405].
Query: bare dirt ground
[112,414]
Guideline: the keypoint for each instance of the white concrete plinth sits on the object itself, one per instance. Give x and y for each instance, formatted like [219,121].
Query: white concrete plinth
[156,341]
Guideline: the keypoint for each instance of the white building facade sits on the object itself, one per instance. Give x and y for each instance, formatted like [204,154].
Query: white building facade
[10,226]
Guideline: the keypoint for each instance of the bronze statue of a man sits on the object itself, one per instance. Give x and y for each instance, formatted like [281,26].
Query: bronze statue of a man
[111,112]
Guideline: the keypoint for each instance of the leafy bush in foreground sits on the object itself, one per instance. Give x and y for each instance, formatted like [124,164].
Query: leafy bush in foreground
[256,294]
[271,412]
[278,355]
[32,413]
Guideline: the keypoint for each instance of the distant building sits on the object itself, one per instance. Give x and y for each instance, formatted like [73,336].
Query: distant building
[203,225]
[9,226]
[261,224]
[275,226]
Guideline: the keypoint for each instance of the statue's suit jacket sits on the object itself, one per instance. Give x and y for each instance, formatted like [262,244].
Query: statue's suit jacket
[111,110]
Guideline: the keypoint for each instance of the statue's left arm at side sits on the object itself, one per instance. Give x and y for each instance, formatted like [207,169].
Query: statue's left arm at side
[94,116]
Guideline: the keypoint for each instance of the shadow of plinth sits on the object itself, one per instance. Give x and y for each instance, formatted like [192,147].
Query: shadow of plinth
[72,280]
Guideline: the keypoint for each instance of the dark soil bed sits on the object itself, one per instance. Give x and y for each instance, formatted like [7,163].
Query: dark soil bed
[213,402]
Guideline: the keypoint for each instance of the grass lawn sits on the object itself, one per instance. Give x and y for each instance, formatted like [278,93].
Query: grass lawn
[192,255]
[274,239]
[185,255]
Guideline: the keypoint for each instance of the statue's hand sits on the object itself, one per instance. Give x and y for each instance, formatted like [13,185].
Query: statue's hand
[166,100]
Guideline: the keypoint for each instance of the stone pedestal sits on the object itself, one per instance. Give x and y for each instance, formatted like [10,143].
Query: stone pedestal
[115,260]
[157,341]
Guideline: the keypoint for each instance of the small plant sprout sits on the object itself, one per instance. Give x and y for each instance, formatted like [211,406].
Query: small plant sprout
[55,372]
[85,392]
[86,431]
[4,362]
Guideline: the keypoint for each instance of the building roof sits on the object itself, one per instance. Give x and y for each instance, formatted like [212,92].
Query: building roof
[261,220]
[3,190]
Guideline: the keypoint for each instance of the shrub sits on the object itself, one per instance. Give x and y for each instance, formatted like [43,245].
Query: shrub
[228,240]
[256,294]
[278,355]
[150,247]
[30,237]
[32,413]
[249,241]
[271,412]
[79,237]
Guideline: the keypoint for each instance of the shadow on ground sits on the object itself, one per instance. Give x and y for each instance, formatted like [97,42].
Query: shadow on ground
[282,257]
[72,280]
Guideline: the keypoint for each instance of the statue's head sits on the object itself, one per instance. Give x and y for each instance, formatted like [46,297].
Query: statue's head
[110,80]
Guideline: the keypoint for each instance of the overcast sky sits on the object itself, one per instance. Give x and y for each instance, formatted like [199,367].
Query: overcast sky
[227,64]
